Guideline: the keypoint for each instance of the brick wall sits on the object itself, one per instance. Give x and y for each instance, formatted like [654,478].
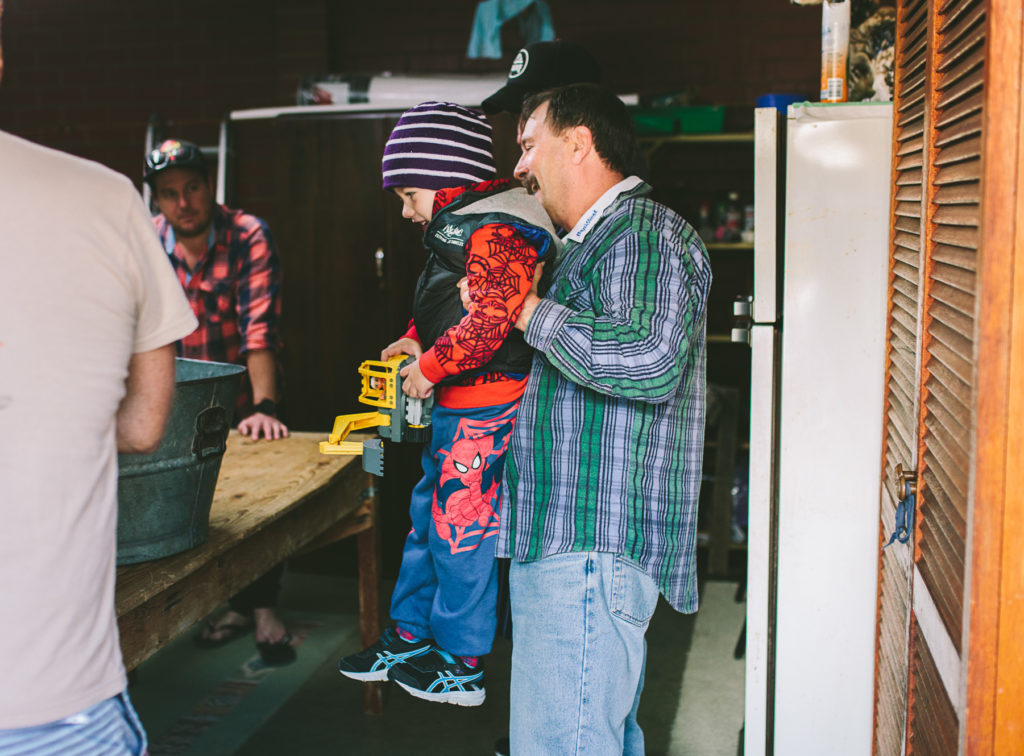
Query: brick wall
[86,76]
[726,51]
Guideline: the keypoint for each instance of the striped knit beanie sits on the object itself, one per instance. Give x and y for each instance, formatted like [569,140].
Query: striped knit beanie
[437,145]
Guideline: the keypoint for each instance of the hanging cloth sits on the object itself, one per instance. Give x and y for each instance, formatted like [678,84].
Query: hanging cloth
[534,24]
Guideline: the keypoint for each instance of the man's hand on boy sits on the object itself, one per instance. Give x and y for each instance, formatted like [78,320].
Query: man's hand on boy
[530,301]
[405,345]
[463,285]
[414,384]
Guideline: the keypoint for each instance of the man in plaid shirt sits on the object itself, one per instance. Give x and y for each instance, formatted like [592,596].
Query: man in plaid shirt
[227,264]
[604,464]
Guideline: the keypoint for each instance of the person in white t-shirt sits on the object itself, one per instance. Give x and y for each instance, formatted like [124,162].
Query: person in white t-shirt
[89,313]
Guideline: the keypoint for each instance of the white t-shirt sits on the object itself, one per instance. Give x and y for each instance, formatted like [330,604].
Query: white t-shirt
[84,284]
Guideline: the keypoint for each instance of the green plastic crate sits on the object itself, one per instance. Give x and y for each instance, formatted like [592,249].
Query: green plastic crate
[688,119]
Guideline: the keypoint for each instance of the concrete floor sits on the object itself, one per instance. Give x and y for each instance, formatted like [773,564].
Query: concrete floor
[222,702]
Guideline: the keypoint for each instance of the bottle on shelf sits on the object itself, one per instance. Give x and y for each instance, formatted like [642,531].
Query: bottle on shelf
[705,228]
[835,42]
[730,219]
[747,234]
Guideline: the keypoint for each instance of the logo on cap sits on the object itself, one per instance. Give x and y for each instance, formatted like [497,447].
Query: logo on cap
[519,64]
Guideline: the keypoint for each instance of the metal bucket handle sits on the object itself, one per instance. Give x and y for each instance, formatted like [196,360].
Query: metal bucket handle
[211,433]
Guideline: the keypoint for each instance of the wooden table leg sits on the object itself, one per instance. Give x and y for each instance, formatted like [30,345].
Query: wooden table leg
[369,599]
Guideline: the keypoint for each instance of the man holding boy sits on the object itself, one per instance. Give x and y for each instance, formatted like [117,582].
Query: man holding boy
[604,464]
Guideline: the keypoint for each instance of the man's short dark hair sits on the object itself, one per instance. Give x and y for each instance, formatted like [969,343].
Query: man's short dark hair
[597,108]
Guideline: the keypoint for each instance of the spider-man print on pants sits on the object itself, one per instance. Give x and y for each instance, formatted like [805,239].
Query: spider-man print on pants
[447,586]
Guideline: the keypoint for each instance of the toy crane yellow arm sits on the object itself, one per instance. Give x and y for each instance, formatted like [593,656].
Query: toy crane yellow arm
[400,418]
[345,424]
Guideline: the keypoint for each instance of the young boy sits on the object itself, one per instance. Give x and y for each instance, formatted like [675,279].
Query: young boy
[438,161]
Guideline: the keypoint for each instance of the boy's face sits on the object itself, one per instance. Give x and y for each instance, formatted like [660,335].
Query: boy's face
[417,204]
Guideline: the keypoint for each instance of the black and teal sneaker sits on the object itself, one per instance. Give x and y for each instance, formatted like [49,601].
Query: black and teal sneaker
[438,676]
[372,663]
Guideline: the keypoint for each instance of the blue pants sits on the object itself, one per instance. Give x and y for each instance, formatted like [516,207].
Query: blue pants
[111,728]
[578,654]
[448,583]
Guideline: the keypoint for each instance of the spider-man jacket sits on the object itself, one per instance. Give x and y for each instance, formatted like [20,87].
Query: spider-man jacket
[494,235]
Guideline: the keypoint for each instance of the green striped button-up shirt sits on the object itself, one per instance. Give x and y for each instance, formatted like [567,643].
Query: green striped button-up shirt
[606,452]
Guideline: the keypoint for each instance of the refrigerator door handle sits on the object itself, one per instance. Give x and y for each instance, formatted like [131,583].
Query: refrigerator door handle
[742,309]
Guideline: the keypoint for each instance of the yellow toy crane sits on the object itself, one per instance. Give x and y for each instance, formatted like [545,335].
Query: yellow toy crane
[400,417]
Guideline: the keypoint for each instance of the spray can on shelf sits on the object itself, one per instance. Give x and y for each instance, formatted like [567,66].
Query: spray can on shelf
[733,218]
[835,39]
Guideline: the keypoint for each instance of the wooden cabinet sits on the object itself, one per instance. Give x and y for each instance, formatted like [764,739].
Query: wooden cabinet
[350,265]
[350,262]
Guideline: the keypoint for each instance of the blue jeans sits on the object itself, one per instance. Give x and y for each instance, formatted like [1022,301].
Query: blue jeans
[578,654]
[111,728]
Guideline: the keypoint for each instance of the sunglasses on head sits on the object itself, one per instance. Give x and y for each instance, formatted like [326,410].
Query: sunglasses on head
[175,152]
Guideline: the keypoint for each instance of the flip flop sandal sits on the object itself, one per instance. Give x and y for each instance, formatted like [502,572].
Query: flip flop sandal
[227,634]
[279,653]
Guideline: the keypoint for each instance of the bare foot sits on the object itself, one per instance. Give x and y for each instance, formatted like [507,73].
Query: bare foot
[270,627]
[229,626]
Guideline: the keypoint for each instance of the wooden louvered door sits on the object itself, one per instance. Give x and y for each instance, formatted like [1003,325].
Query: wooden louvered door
[938,610]
[910,117]
[952,213]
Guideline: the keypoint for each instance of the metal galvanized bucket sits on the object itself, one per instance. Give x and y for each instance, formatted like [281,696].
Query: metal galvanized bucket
[164,498]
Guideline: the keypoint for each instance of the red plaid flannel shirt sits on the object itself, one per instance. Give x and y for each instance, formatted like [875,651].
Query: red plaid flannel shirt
[235,290]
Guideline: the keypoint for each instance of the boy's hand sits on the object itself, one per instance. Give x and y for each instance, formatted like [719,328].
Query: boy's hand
[414,384]
[407,346]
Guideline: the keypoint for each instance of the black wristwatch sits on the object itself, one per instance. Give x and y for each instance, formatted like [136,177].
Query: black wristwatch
[266,407]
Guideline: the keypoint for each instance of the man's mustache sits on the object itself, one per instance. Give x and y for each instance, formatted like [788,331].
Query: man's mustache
[529,182]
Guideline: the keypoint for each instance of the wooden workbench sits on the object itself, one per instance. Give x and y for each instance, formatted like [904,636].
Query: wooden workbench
[273,500]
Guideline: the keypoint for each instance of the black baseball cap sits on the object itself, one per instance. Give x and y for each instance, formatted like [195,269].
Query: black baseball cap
[174,153]
[541,66]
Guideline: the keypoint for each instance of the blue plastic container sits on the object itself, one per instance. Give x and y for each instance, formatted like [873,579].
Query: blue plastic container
[779,101]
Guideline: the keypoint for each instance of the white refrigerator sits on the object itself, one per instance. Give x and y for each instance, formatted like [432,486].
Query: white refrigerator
[816,328]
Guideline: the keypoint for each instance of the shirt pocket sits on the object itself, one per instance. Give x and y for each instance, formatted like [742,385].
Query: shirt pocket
[218,300]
